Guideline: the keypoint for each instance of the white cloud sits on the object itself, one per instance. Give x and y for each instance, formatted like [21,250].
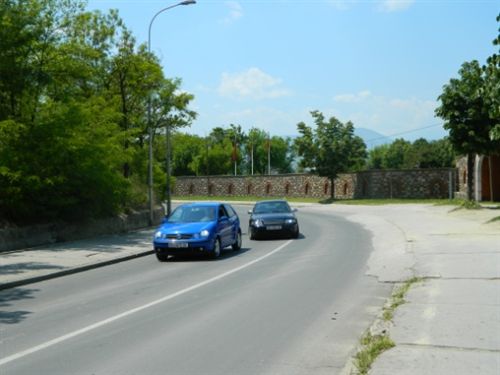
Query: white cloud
[395,5]
[235,12]
[253,83]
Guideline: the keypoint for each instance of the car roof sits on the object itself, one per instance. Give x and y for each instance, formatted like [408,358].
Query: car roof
[272,201]
[203,204]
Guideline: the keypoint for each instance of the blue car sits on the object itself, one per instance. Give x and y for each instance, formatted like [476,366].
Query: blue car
[198,228]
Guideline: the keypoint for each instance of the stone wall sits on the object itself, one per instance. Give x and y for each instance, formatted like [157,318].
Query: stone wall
[415,183]
[290,185]
[12,238]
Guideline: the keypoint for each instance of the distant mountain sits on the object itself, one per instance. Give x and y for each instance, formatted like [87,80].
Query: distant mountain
[371,137]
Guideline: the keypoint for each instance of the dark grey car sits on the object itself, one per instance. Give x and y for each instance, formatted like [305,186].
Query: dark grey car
[273,218]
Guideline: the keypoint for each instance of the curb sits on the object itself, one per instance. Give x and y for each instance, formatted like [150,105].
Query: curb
[71,271]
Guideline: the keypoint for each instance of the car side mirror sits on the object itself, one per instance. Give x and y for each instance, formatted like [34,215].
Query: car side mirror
[164,220]
[294,210]
[223,218]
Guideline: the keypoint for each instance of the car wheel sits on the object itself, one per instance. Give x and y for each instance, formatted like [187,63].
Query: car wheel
[251,233]
[161,257]
[217,249]
[296,233]
[237,243]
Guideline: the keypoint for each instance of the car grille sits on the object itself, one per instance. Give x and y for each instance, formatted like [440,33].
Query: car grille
[273,221]
[179,236]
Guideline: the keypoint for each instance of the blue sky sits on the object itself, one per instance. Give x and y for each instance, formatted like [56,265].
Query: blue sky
[380,64]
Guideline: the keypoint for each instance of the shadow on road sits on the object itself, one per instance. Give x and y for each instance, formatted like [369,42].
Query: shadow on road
[7,297]
[279,238]
[226,254]
[17,268]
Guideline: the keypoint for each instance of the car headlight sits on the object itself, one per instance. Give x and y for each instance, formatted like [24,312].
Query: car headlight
[204,233]
[158,234]
[258,223]
[290,221]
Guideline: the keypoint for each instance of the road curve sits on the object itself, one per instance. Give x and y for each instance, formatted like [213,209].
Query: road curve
[274,307]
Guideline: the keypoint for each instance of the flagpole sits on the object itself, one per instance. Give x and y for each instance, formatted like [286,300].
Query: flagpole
[252,158]
[268,153]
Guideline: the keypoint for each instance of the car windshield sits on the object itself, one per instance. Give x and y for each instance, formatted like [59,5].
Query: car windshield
[192,214]
[271,207]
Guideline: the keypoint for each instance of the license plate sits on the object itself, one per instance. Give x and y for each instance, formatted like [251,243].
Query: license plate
[178,245]
[273,227]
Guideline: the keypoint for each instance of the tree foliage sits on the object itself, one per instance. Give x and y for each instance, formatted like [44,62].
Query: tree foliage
[470,108]
[331,148]
[74,89]
[402,154]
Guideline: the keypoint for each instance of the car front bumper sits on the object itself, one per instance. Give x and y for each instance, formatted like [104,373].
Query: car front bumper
[183,247]
[273,230]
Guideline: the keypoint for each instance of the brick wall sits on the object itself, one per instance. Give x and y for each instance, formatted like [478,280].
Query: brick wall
[415,183]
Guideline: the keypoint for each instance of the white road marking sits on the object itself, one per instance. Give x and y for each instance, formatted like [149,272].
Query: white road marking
[112,319]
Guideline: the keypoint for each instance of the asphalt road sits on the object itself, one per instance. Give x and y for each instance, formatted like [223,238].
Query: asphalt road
[274,307]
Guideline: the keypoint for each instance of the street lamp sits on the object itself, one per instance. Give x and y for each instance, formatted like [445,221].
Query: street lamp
[150,128]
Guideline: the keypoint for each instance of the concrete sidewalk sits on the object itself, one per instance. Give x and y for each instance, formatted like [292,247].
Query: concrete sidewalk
[450,323]
[20,267]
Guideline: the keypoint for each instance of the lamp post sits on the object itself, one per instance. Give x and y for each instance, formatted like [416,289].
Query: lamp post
[150,127]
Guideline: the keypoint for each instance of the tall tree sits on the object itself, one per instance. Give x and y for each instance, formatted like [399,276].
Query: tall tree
[421,153]
[282,154]
[470,108]
[467,117]
[73,95]
[185,148]
[396,154]
[331,148]
[492,91]
[377,157]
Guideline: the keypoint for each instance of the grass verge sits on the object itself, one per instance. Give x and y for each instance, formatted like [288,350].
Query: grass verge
[380,202]
[398,298]
[243,198]
[467,205]
[371,202]
[373,346]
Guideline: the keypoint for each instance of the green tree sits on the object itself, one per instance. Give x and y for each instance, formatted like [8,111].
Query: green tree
[74,174]
[185,148]
[396,153]
[433,154]
[255,138]
[331,148]
[377,157]
[492,90]
[282,154]
[237,137]
[216,156]
[467,116]
[74,89]
[133,75]
[419,154]
[470,108]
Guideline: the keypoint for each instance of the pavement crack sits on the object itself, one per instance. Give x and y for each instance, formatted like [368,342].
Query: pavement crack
[430,346]
[461,278]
